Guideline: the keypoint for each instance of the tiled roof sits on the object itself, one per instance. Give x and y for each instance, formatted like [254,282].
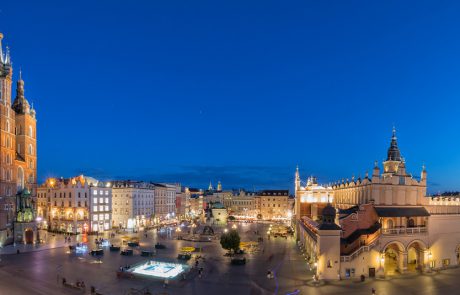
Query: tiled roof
[392,211]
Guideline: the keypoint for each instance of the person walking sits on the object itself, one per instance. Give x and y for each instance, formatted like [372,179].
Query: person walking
[373,291]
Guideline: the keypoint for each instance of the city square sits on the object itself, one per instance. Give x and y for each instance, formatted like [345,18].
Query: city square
[36,272]
[244,147]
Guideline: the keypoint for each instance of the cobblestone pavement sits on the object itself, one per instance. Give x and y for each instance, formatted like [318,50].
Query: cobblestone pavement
[40,272]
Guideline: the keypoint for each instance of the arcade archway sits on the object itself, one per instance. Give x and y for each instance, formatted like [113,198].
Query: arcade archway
[415,256]
[393,258]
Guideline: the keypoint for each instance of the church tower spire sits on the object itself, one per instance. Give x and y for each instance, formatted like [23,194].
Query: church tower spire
[392,163]
[20,104]
[297,179]
[2,59]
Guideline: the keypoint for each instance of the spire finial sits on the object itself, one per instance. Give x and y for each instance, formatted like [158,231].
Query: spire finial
[394,131]
[20,73]
[1,49]
[7,56]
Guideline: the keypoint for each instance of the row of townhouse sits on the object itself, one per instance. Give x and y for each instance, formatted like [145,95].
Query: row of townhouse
[84,204]
[265,204]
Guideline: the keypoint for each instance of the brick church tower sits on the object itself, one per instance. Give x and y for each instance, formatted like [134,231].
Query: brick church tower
[18,143]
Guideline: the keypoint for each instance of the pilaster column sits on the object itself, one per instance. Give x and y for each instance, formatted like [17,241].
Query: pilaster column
[403,261]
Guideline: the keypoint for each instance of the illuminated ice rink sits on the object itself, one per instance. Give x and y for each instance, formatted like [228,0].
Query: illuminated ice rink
[159,269]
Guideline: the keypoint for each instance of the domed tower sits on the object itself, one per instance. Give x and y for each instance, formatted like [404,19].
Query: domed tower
[26,139]
[328,247]
[391,165]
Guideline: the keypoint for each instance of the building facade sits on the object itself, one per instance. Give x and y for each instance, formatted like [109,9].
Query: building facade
[133,204]
[242,205]
[165,201]
[18,146]
[75,205]
[311,198]
[384,225]
[274,204]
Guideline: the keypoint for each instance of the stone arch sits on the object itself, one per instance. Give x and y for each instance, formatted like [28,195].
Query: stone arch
[415,255]
[422,243]
[393,254]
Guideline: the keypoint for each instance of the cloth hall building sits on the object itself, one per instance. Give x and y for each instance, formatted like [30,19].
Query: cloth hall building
[381,225]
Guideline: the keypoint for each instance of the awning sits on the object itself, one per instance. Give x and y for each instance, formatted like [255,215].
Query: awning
[401,211]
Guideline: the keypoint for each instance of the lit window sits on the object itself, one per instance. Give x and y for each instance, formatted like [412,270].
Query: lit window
[101,216]
[95,208]
[106,200]
[106,193]
[106,216]
[95,217]
[106,208]
[95,193]
[95,200]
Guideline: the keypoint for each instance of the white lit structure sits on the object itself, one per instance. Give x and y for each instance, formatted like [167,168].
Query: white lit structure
[133,203]
[158,269]
[312,197]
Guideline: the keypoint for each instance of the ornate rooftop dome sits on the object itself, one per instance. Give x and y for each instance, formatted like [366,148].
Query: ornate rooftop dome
[393,151]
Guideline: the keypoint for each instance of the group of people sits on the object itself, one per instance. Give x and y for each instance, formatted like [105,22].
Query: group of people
[68,239]
[124,268]
[78,283]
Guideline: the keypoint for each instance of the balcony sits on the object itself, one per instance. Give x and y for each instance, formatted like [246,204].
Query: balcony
[405,230]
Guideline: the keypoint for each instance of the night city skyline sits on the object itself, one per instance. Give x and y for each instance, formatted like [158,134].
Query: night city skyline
[239,147]
[241,92]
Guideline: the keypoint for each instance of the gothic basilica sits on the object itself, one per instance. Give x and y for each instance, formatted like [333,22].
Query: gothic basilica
[18,152]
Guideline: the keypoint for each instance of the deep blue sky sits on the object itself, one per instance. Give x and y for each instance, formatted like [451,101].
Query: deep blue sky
[240,91]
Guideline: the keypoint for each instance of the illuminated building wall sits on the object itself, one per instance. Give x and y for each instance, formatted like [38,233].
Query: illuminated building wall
[164,200]
[274,204]
[133,203]
[75,205]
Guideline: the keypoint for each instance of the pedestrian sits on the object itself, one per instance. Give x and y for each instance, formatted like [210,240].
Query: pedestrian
[373,291]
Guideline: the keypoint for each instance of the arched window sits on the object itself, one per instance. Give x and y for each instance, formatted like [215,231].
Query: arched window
[31,150]
[20,182]
[30,131]
[8,142]
[19,148]
[411,222]
[390,223]
[7,126]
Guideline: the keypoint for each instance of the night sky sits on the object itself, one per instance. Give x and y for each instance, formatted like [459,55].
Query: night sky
[239,91]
